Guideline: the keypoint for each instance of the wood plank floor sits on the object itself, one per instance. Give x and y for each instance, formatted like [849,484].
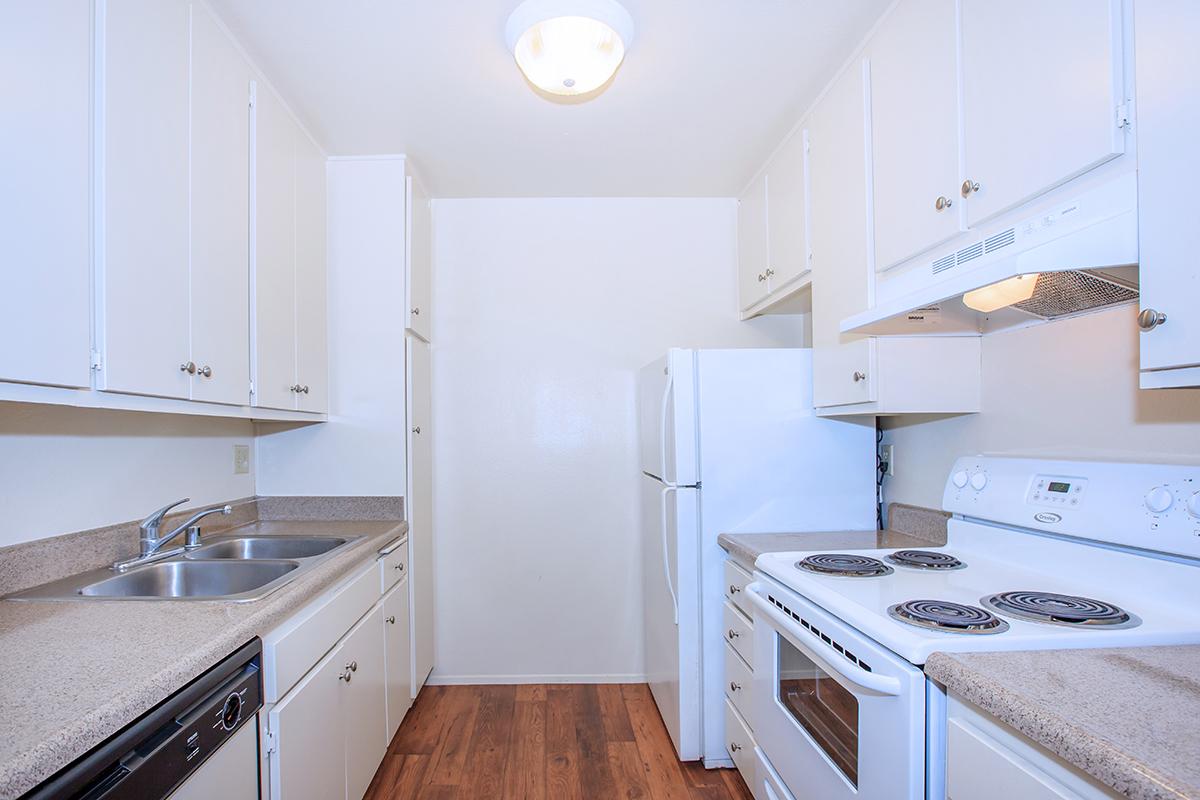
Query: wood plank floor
[542,742]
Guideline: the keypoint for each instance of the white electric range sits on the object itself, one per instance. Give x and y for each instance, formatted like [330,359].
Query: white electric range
[1040,555]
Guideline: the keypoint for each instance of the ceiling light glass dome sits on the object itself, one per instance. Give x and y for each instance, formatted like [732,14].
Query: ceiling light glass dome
[569,47]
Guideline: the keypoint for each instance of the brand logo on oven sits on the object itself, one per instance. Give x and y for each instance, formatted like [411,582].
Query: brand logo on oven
[1048,517]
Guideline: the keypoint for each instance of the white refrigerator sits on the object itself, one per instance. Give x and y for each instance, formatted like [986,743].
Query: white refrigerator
[729,443]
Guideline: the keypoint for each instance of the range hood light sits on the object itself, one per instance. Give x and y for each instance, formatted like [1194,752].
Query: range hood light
[999,295]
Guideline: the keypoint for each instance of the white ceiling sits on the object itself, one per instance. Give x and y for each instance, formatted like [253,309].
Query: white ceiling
[707,90]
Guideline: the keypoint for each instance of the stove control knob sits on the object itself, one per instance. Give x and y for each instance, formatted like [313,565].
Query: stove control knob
[1193,505]
[978,481]
[1159,499]
[960,478]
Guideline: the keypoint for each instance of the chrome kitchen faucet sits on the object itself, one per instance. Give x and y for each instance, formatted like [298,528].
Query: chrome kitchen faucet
[151,543]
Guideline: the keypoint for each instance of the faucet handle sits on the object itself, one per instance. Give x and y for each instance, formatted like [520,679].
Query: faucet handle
[154,521]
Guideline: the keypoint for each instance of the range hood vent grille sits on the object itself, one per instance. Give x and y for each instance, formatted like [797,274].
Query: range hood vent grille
[1061,294]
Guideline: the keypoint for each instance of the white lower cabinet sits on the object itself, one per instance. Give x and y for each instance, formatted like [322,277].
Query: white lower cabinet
[327,732]
[739,678]
[987,760]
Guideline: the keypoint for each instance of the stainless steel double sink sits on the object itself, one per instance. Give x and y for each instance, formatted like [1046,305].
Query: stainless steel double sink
[235,568]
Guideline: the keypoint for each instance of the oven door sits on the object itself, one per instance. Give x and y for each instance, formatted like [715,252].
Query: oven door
[836,714]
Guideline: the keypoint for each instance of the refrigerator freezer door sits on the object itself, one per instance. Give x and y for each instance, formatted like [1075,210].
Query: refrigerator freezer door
[667,419]
[670,528]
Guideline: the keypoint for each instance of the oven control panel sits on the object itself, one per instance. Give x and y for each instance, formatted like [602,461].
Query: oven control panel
[1149,506]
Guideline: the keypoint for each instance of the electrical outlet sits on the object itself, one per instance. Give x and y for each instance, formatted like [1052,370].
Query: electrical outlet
[241,459]
[887,453]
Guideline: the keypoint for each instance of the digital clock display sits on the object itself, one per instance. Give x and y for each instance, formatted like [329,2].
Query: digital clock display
[1058,486]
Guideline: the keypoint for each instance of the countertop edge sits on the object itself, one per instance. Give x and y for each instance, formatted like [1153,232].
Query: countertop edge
[28,768]
[1076,745]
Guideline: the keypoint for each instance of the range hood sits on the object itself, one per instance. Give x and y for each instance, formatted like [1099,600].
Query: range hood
[1080,255]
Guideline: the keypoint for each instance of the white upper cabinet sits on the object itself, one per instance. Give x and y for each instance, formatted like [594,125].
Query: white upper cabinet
[1042,88]
[291,362]
[419,232]
[752,243]
[787,223]
[142,214]
[914,129]
[843,365]
[1168,119]
[220,238]
[45,56]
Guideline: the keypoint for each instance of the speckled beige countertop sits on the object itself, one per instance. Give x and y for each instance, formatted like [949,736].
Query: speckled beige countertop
[76,672]
[1129,717]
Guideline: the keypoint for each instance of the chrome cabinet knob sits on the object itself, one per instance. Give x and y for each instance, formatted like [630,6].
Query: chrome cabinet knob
[734,588]
[761,277]
[734,686]
[1149,319]
[416,312]
[969,186]
[206,371]
[391,620]
[352,666]
[304,388]
[859,376]
[733,634]
[399,566]
[770,272]
[345,676]
[734,747]
[295,387]
[189,367]
[942,203]
[417,429]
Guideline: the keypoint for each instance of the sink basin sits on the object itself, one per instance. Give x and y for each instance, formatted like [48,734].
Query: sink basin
[191,579]
[285,547]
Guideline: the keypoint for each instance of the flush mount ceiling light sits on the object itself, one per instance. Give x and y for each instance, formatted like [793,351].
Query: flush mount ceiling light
[569,47]
[998,295]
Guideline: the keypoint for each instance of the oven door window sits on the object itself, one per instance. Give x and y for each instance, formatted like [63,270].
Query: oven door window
[821,706]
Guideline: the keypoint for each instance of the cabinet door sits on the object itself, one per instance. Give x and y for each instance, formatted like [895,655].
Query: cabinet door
[842,364]
[1168,114]
[309,762]
[787,223]
[420,508]
[45,304]
[914,130]
[142,224]
[397,643]
[419,233]
[364,712]
[752,243]
[1041,86]
[312,345]
[220,214]
[274,251]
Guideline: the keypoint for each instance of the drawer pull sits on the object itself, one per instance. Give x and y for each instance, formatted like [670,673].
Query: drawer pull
[734,686]
[733,634]
[391,620]
[734,747]
[734,588]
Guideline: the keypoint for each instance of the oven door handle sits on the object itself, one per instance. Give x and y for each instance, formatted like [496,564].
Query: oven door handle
[881,684]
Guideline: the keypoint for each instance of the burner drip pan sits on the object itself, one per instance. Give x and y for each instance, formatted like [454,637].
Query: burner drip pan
[1067,610]
[924,559]
[844,565]
[942,615]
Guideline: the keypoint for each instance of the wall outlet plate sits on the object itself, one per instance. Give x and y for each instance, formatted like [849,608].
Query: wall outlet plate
[887,454]
[241,459]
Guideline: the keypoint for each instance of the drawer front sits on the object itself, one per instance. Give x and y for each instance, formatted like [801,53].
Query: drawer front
[393,567]
[736,579]
[770,785]
[980,768]
[292,649]
[739,632]
[740,743]
[739,683]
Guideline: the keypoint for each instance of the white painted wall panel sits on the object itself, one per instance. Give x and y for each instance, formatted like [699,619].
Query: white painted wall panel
[545,310]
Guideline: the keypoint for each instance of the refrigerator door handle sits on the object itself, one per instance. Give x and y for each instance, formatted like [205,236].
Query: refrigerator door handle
[666,551]
[662,429]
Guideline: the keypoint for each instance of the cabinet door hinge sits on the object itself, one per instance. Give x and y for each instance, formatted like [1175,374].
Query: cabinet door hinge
[269,735]
[97,362]
[252,388]
[1124,118]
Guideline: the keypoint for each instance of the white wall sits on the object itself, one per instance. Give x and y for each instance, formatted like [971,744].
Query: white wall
[68,469]
[1066,388]
[545,309]
[360,450]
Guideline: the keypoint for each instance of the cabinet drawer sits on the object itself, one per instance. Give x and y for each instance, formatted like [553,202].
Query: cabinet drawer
[739,682]
[770,785]
[736,579]
[739,633]
[393,566]
[740,743]
[295,646]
